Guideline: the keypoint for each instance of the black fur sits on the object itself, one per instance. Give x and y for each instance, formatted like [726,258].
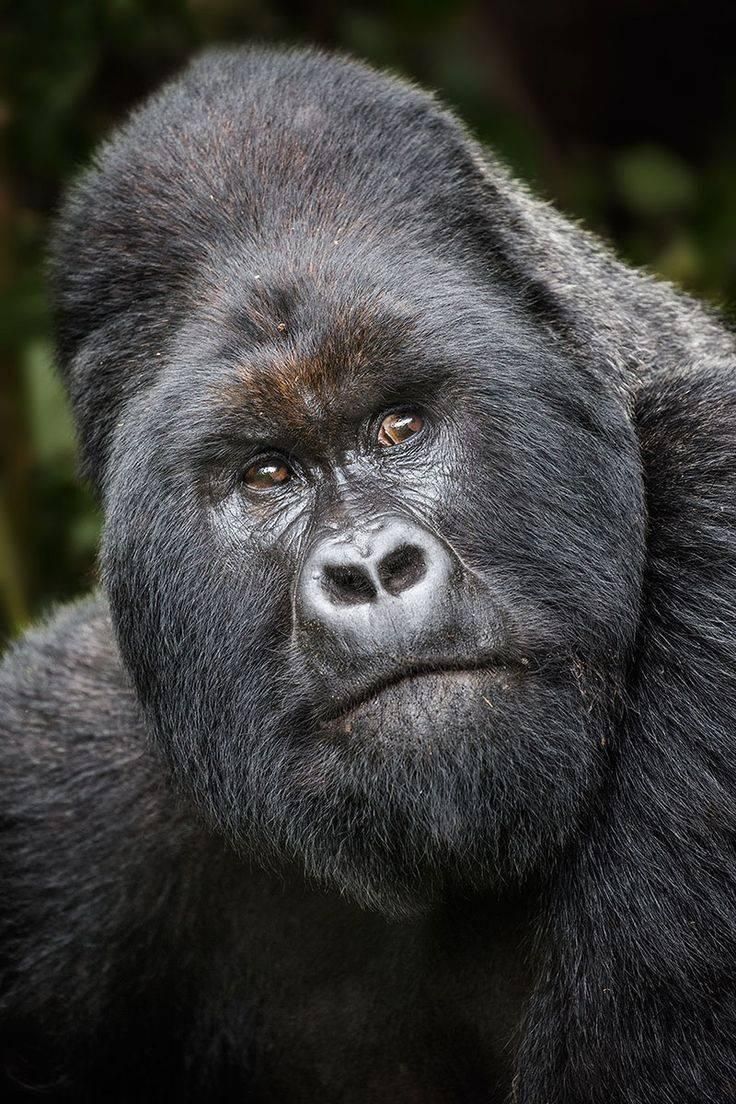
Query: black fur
[242,861]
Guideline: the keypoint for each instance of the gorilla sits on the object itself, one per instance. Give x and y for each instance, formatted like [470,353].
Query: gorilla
[395,758]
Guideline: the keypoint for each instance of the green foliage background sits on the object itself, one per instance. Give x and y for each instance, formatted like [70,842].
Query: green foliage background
[71,68]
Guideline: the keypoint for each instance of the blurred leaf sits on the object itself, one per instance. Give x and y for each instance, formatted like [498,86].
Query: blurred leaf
[651,181]
[49,418]
[680,261]
[84,535]
[12,589]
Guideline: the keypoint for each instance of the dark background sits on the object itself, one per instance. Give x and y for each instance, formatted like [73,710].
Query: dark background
[621,111]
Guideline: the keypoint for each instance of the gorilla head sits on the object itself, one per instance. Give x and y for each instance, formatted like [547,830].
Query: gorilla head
[374,508]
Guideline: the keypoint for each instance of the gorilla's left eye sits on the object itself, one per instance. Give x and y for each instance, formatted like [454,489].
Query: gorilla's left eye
[398,426]
[266,473]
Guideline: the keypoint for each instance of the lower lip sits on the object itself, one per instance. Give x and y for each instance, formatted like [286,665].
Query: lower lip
[446,674]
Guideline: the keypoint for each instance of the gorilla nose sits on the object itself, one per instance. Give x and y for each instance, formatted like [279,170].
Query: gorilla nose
[352,579]
[380,581]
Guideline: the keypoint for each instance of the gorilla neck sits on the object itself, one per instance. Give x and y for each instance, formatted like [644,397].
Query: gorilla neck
[444,991]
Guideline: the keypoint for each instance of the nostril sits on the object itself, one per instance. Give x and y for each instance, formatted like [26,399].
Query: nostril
[403,568]
[347,585]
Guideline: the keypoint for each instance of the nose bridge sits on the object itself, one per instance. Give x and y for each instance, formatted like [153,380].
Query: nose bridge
[345,507]
[361,540]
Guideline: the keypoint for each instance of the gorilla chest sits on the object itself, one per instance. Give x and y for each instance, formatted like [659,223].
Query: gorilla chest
[350,1007]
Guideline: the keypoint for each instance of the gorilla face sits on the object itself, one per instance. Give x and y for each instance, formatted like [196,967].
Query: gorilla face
[374,558]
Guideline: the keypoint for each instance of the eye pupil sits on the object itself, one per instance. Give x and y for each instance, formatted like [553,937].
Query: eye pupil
[266,474]
[398,427]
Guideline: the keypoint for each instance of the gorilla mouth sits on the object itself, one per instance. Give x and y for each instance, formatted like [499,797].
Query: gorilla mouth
[412,676]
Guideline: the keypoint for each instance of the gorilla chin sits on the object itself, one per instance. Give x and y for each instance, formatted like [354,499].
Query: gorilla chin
[435,783]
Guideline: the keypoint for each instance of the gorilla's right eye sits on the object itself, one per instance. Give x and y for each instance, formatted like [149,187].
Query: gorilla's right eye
[266,473]
[398,426]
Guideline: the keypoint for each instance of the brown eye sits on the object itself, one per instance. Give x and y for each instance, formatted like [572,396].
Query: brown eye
[396,428]
[264,475]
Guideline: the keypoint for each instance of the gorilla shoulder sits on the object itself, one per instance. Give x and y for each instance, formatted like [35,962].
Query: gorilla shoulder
[91,842]
[69,712]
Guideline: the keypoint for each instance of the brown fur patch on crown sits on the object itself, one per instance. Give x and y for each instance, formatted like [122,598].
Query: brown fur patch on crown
[301,388]
[308,377]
